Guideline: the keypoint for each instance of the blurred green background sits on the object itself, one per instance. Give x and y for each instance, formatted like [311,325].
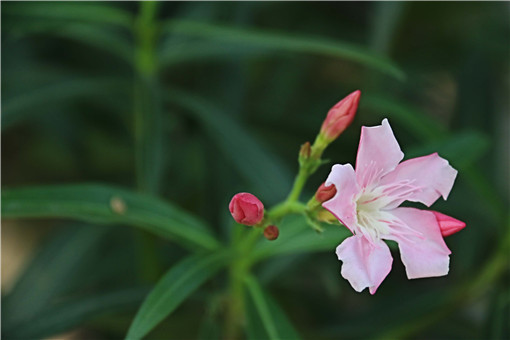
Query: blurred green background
[192,102]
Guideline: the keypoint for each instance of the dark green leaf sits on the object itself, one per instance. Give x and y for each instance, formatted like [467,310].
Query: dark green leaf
[91,12]
[171,290]
[251,159]
[23,106]
[49,273]
[63,316]
[105,204]
[284,42]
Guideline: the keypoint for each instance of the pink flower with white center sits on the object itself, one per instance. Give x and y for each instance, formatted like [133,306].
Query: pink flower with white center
[367,202]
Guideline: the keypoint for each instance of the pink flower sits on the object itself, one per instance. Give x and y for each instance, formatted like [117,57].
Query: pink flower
[340,116]
[246,209]
[367,202]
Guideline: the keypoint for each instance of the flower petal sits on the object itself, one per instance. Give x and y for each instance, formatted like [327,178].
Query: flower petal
[431,175]
[426,255]
[378,153]
[342,205]
[365,264]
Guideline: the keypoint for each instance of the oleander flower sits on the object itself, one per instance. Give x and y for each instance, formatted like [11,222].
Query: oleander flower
[367,203]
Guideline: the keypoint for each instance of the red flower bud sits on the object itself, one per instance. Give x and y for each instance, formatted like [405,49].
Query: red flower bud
[246,209]
[271,232]
[340,116]
[447,224]
[325,193]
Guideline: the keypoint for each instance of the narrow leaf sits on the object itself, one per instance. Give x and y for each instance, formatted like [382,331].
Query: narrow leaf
[274,321]
[254,162]
[16,108]
[105,204]
[284,42]
[63,316]
[175,286]
[51,269]
[70,11]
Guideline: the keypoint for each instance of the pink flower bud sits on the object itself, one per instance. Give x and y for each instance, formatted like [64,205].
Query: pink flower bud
[271,232]
[246,209]
[325,193]
[447,224]
[340,116]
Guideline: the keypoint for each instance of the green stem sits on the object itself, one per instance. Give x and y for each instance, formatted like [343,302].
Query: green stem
[299,183]
[147,102]
[148,133]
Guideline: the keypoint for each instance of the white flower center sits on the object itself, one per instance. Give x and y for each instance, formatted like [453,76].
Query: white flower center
[372,210]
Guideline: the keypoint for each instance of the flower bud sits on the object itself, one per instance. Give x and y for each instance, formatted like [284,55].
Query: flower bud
[271,232]
[246,209]
[340,116]
[447,224]
[325,193]
[305,150]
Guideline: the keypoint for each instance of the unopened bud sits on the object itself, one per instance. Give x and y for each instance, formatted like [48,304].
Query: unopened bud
[271,232]
[325,216]
[305,150]
[447,224]
[325,193]
[340,116]
[246,209]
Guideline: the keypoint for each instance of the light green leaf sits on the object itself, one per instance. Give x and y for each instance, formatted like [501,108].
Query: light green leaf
[282,42]
[171,290]
[105,204]
[254,162]
[269,315]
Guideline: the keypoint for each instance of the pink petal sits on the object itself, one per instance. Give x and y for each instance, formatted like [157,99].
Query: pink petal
[378,153]
[426,255]
[342,205]
[431,175]
[364,264]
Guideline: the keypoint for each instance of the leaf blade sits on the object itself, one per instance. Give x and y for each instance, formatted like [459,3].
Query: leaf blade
[171,290]
[273,318]
[284,42]
[107,205]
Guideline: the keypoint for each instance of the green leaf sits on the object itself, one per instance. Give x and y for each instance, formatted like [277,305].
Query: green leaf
[283,42]
[254,162]
[296,237]
[50,272]
[416,121]
[17,108]
[72,312]
[269,315]
[206,51]
[171,290]
[461,149]
[105,204]
[70,11]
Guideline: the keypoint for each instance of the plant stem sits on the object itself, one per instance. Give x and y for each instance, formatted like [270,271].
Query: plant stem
[147,103]
[299,183]
[148,133]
